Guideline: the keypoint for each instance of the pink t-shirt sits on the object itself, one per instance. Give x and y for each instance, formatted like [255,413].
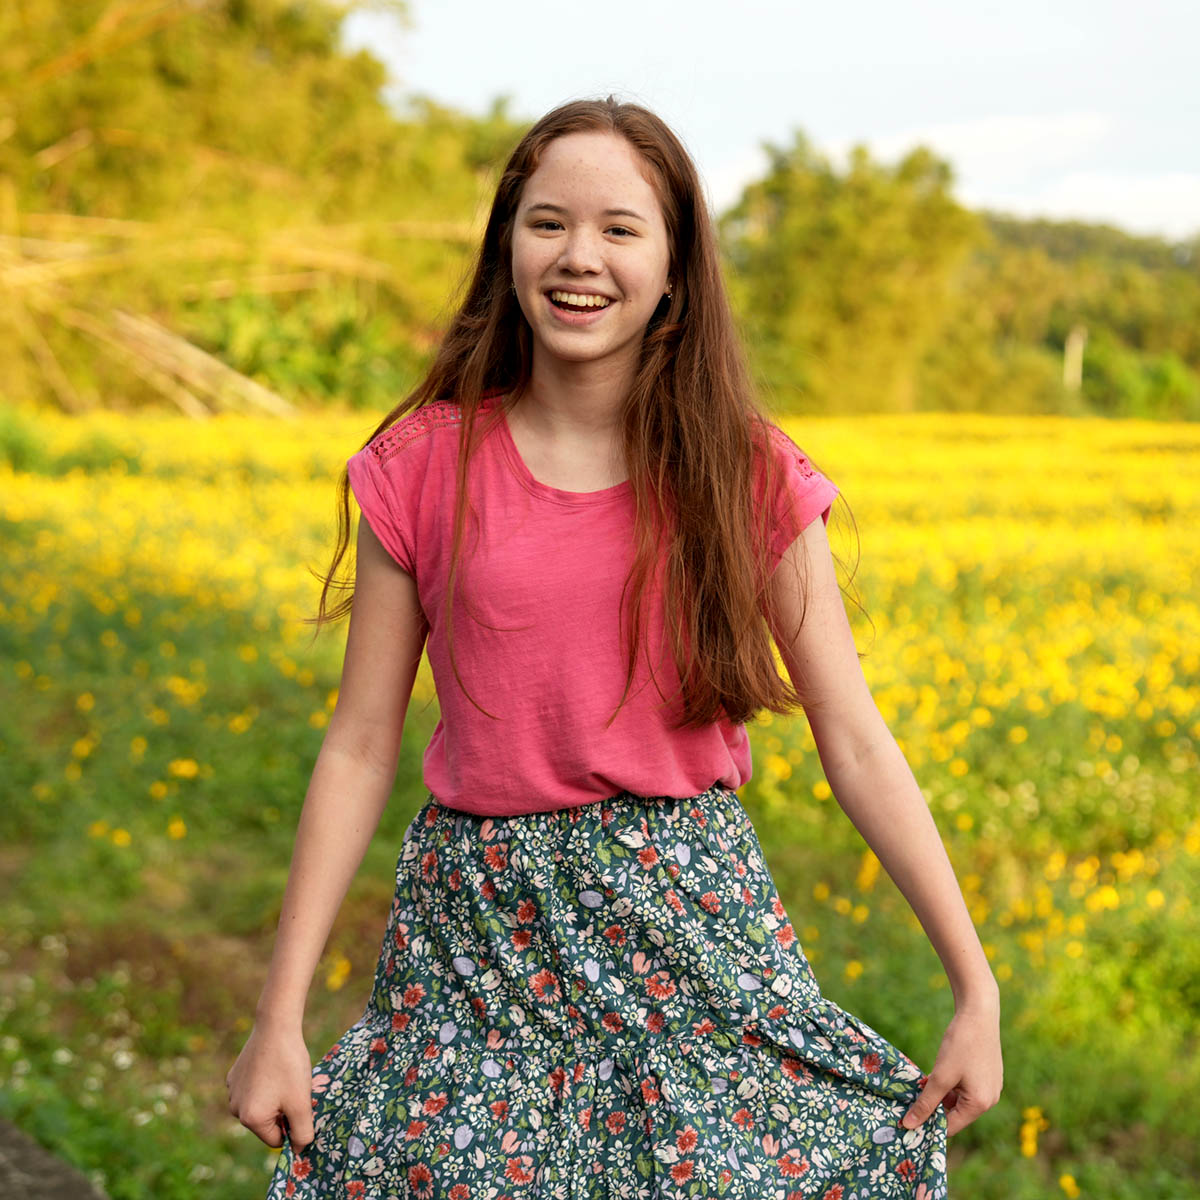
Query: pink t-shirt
[537,639]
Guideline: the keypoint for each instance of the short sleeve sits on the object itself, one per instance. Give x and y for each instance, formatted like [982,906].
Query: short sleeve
[385,496]
[802,494]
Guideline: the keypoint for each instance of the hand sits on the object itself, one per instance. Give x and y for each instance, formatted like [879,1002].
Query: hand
[968,1072]
[270,1087]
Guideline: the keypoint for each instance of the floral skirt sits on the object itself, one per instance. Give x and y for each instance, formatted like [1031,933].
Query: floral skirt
[605,1002]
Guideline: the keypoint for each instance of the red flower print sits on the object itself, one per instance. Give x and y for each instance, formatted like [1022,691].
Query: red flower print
[521,939]
[681,1172]
[519,1170]
[585,1117]
[660,985]
[776,1011]
[455,880]
[496,857]
[739,870]
[655,1022]
[400,1021]
[793,1163]
[795,1069]
[673,900]
[872,1062]
[698,816]
[420,1179]
[434,1103]
[744,1118]
[907,1169]
[835,1193]
[557,1078]
[487,889]
[614,1122]
[301,1167]
[747,895]
[460,1191]
[751,1039]
[526,910]
[612,1022]
[778,909]
[413,994]
[499,1109]
[785,936]
[673,870]
[685,1140]
[410,1076]
[545,986]
[650,1092]
[615,934]
[648,857]
[700,1028]
[709,902]
[289,1188]
[577,1074]
[415,1129]
[429,864]
[356,1187]
[401,937]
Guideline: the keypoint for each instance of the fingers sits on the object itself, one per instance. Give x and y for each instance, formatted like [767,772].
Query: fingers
[300,1126]
[931,1096]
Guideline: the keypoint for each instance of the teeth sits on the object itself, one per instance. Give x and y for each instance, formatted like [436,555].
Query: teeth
[580,301]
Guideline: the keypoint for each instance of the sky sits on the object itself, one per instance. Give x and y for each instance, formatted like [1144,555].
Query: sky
[1054,108]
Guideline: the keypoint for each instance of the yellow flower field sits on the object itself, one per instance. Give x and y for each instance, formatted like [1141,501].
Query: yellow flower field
[1031,636]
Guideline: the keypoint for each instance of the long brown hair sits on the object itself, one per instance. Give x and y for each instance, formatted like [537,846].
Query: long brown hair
[695,439]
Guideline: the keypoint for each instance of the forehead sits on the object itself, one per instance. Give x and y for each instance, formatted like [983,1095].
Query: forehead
[592,168]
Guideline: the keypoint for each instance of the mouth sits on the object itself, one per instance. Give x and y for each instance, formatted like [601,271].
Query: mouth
[577,302]
[577,308]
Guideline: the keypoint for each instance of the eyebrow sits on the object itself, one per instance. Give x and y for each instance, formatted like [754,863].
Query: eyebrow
[608,212]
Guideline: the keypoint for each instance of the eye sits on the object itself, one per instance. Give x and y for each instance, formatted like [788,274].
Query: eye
[621,229]
[543,224]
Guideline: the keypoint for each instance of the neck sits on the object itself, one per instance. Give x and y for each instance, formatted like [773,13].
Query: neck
[577,397]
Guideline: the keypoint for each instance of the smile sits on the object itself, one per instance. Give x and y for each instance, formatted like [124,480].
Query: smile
[578,301]
[587,311]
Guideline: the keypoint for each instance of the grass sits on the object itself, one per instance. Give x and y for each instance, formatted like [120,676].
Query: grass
[1033,643]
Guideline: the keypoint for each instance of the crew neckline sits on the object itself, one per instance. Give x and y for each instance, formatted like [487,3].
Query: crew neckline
[534,485]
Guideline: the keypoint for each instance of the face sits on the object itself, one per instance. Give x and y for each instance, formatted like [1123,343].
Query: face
[590,251]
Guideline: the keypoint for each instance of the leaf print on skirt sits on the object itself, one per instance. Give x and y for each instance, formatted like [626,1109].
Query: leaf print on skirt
[605,1002]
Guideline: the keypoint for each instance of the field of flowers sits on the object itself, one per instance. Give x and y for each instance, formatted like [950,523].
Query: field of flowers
[1030,629]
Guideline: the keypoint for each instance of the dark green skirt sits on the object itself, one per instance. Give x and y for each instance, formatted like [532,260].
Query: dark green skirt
[605,1002]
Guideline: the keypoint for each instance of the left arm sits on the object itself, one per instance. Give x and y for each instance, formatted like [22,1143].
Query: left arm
[870,778]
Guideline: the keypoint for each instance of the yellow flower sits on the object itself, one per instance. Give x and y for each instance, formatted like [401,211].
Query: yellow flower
[176,828]
[338,973]
[184,768]
[85,702]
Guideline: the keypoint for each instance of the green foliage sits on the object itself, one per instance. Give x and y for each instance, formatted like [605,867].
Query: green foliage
[227,171]
[843,280]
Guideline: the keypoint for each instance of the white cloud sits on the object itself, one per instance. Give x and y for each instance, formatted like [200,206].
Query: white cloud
[1167,203]
[995,148]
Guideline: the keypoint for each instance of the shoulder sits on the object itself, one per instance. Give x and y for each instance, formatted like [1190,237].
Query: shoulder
[785,450]
[423,428]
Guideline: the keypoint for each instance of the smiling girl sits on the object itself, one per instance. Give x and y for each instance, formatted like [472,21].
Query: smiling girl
[588,984]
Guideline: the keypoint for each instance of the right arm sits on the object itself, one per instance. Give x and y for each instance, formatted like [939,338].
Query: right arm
[351,782]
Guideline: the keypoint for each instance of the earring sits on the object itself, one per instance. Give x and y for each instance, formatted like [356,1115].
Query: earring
[667,293]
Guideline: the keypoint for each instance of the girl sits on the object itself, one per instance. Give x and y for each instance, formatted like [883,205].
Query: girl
[588,985]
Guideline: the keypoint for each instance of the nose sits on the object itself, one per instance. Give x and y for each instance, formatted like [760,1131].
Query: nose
[581,252]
